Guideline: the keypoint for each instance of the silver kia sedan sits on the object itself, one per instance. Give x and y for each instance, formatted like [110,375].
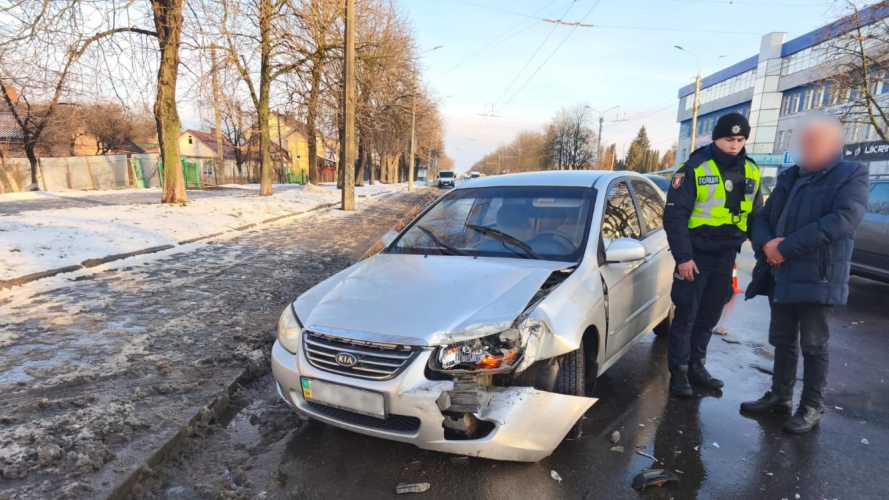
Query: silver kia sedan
[482,327]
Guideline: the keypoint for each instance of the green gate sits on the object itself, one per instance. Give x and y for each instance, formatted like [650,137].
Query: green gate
[191,172]
[138,173]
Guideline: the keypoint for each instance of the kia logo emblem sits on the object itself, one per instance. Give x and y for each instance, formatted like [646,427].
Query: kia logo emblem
[346,359]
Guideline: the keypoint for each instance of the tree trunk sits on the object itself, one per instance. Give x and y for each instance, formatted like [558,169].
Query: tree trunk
[359,164]
[32,159]
[369,161]
[265,82]
[168,22]
[311,114]
[217,117]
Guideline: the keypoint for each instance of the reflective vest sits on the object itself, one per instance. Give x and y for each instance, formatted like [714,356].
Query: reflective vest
[710,209]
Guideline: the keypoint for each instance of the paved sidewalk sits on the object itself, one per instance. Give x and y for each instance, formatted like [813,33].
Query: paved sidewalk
[98,373]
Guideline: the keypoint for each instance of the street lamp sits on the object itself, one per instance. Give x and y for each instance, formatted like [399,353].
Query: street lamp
[694,112]
[599,146]
[410,167]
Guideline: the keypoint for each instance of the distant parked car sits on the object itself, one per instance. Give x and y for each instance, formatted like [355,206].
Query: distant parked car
[870,257]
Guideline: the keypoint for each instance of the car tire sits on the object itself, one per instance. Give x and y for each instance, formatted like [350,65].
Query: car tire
[663,328]
[570,381]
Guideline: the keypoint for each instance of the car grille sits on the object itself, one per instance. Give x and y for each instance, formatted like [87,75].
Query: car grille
[376,361]
[396,423]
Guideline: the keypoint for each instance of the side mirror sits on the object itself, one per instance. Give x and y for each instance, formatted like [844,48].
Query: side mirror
[389,238]
[625,250]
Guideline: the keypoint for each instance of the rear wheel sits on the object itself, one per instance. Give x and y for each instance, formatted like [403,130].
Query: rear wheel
[663,328]
[570,381]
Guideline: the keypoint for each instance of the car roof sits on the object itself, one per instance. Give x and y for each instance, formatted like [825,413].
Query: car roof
[576,178]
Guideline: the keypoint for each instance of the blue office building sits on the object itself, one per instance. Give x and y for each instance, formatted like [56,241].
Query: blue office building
[773,89]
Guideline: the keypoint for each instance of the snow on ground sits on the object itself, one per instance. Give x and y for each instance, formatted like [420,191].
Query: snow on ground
[39,240]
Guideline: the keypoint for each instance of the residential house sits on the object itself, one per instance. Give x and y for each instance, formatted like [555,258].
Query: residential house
[291,134]
[200,147]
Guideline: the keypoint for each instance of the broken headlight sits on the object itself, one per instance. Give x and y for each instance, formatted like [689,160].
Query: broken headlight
[289,330]
[498,352]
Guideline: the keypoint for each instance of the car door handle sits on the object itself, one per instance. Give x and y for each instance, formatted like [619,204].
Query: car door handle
[648,257]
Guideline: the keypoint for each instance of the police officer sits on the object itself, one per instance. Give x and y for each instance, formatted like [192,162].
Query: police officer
[711,198]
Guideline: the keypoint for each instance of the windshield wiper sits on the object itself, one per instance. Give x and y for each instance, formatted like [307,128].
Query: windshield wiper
[502,237]
[440,242]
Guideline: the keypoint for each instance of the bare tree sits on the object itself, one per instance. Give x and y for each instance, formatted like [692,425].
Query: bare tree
[856,68]
[57,34]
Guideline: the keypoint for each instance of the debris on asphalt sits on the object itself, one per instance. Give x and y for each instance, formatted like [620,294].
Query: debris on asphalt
[619,449]
[731,341]
[719,330]
[653,477]
[696,448]
[796,495]
[838,408]
[865,441]
[460,460]
[646,455]
[615,437]
[715,444]
[679,471]
[411,488]
[770,474]
[555,475]
[680,433]
[641,425]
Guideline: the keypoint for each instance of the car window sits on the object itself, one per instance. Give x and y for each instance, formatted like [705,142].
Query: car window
[621,219]
[550,221]
[879,199]
[652,205]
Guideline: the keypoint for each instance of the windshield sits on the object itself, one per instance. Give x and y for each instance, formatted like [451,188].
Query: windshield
[527,222]
[446,175]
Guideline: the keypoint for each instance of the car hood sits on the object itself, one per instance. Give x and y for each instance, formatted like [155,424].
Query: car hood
[419,300]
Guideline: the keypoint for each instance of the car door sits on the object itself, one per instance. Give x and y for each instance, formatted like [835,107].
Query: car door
[871,254]
[625,283]
[658,274]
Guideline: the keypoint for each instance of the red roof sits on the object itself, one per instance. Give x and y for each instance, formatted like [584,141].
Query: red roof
[228,149]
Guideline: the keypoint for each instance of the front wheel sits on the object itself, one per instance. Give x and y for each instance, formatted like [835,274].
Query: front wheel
[663,328]
[570,381]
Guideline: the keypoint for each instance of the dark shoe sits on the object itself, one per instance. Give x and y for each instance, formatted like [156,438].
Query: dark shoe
[698,375]
[804,420]
[679,385]
[767,403]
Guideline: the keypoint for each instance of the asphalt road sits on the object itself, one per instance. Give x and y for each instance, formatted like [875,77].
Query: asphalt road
[265,452]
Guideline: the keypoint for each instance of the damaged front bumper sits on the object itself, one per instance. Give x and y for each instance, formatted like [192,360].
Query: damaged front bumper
[523,424]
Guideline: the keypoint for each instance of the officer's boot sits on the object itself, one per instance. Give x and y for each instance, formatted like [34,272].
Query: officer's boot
[679,385]
[699,375]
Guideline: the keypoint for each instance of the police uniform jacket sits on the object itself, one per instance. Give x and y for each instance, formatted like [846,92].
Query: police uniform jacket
[684,241]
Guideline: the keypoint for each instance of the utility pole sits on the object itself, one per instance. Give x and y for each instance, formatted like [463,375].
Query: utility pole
[694,112]
[220,152]
[348,193]
[599,145]
[410,167]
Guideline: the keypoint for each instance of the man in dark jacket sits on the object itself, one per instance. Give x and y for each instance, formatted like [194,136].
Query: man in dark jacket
[711,197]
[803,241]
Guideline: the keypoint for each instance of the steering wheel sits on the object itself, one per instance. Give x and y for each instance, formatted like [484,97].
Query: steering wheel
[558,235]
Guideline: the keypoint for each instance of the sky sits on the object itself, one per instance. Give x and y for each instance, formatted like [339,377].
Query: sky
[500,55]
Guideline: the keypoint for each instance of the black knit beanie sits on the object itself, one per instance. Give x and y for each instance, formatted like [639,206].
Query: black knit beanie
[730,125]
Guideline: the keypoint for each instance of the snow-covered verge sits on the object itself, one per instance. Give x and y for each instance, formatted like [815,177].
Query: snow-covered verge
[40,240]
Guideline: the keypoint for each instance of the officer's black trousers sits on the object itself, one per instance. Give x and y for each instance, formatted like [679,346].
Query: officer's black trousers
[699,305]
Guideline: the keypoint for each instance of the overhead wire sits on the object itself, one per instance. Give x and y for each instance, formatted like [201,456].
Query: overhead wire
[549,57]
[501,39]
[519,74]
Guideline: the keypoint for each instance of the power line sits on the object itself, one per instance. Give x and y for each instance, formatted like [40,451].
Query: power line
[549,57]
[499,40]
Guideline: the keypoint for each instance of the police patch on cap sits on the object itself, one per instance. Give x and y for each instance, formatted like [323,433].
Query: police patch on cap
[677,179]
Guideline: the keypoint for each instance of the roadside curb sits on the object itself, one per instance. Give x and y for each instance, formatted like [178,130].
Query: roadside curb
[217,407]
[90,263]
[419,207]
